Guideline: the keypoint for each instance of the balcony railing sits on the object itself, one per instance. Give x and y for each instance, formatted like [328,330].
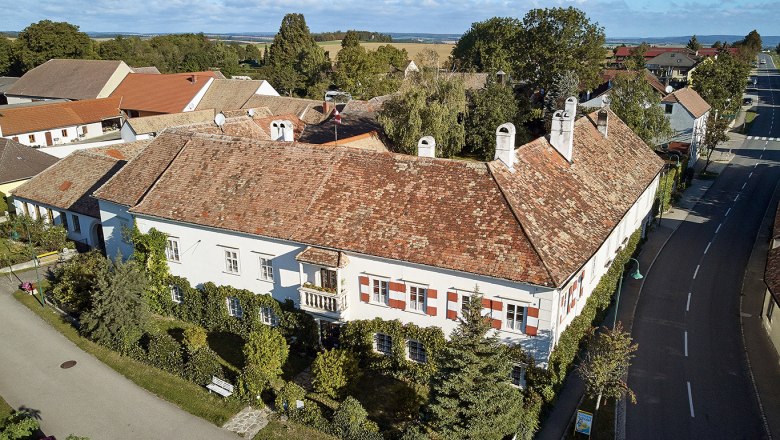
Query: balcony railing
[332,305]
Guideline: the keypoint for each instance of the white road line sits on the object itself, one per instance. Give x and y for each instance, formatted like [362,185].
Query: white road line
[690,399]
[755,165]
[718,229]
[735,198]
[696,271]
[743,185]
[708,247]
[750,175]
[760,157]
[686,344]
[688,304]
[728,211]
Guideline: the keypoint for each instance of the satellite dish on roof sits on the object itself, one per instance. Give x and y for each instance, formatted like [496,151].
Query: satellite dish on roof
[219,120]
[605,101]
[251,112]
[669,89]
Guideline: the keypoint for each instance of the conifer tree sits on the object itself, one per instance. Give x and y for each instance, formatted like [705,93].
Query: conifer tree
[471,396]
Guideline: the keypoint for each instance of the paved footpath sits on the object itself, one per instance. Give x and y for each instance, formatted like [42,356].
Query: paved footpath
[89,399]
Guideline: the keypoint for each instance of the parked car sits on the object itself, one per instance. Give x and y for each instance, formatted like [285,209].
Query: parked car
[747,101]
[763,61]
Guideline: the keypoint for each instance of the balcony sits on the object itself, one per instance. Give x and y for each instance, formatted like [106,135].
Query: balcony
[319,301]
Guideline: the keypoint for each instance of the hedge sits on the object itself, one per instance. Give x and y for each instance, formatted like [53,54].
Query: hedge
[358,336]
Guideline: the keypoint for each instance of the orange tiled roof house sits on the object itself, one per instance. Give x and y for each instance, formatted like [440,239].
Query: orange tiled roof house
[352,233]
[687,113]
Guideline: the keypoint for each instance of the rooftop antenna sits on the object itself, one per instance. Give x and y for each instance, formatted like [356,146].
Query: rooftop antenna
[220,121]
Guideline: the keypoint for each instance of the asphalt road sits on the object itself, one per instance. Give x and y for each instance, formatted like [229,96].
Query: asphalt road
[690,374]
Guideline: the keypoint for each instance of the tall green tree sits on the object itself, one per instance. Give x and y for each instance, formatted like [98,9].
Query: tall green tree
[6,56]
[693,44]
[751,45]
[430,107]
[297,61]
[604,367]
[555,40]
[637,103]
[720,82]
[471,396]
[714,135]
[119,313]
[42,41]
[489,108]
[364,73]
[488,46]
[565,84]
[636,60]
[351,39]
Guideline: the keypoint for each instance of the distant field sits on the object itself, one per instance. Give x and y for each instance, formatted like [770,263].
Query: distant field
[412,48]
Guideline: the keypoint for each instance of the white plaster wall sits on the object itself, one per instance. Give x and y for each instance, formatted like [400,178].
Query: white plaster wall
[266,89]
[113,218]
[72,134]
[17,99]
[196,99]
[86,222]
[116,78]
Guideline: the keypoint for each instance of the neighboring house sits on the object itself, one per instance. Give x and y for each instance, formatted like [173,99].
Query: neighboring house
[351,234]
[62,194]
[145,94]
[595,98]
[19,163]
[146,127]
[59,123]
[623,52]
[233,94]
[149,69]
[358,124]
[672,67]
[769,312]
[68,79]
[307,110]
[687,113]
[5,83]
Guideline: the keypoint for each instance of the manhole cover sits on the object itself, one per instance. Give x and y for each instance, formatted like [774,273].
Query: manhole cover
[67,364]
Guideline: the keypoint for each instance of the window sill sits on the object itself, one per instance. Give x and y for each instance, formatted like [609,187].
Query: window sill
[417,312]
[512,331]
[265,281]
[237,274]
[173,261]
[387,306]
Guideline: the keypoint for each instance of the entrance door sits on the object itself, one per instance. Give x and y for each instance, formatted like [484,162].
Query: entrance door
[329,334]
[48,139]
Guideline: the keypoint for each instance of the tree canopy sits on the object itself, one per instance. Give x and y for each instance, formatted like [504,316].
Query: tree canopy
[721,81]
[297,62]
[605,365]
[365,74]
[693,44]
[637,103]
[489,108]
[488,46]
[42,41]
[636,60]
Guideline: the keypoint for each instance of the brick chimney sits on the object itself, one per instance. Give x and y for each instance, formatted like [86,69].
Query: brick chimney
[326,108]
[562,129]
[602,121]
[505,144]
[426,147]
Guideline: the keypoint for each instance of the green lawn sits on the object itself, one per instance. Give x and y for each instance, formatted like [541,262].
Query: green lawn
[5,409]
[190,397]
[750,116]
[13,252]
[603,421]
[290,430]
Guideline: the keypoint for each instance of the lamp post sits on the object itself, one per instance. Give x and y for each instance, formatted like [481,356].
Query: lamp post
[635,275]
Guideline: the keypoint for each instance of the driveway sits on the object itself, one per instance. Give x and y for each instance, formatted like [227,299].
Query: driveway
[89,399]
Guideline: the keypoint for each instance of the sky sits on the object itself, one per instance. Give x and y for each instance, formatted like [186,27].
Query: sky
[620,18]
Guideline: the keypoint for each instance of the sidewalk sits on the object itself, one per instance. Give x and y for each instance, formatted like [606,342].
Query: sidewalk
[89,399]
[555,426]
[762,357]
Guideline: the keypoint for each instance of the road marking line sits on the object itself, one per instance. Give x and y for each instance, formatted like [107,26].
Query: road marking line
[760,157]
[690,399]
[755,165]
[696,272]
[750,175]
[763,138]
[728,211]
[688,304]
[686,344]
[708,247]
[743,185]
[735,198]
[718,230]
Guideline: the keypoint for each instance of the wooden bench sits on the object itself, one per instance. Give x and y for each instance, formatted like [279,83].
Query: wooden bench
[220,387]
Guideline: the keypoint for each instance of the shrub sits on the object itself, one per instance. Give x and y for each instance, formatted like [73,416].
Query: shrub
[286,397]
[310,415]
[165,353]
[333,370]
[350,422]
[74,282]
[41,235]
[19,425]
[195,338]
[3,202]
[265,351]
[201,365]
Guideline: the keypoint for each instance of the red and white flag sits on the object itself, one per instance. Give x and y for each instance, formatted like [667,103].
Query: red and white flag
[336,117]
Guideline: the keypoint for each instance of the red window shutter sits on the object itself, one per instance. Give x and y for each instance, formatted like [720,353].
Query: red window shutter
[495,323]
[485,303]
[363,280]
[430,310]
[364,289]
[432,294]
[530,330]
[496,305]
[452,314]
[452,297]
[533,318]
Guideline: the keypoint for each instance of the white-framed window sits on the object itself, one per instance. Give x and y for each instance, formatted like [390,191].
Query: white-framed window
[268,317]
[517,375]
[380,291]
[416,351]
[383,343]
[231,260]
[234,307]
[514,317]
[417,296]
[266,269]
[172,249]
[177,295]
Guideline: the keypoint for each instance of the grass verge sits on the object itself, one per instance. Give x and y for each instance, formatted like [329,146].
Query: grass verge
[603,427]
[277,429]
[750,116]
[186,395]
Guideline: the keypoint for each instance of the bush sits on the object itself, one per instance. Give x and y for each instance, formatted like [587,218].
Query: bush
[195,338]
[43,236]
[350,422]
[74,282]
[333,370]
[19,425]
[310,415]
[201,365]
[265,351]
[286,397]
[165,353]
[3,202]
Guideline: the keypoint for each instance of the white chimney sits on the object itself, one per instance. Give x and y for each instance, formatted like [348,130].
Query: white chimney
[282,131]
[426,147]
[602,121]
[562,129]
[505,144]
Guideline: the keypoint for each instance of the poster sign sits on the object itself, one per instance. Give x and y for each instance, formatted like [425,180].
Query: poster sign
[584,422]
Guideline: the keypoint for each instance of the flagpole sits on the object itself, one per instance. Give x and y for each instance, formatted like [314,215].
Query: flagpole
[336,128]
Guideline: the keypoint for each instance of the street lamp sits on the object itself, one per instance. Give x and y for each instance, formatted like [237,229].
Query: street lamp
[635,275]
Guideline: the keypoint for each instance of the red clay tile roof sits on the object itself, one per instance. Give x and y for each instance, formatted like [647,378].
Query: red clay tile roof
[159,93]
[18,162]
[69,79]
[69,183]
[308,110]
[466,216]
[322,257]
[689,99]
[20,120]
